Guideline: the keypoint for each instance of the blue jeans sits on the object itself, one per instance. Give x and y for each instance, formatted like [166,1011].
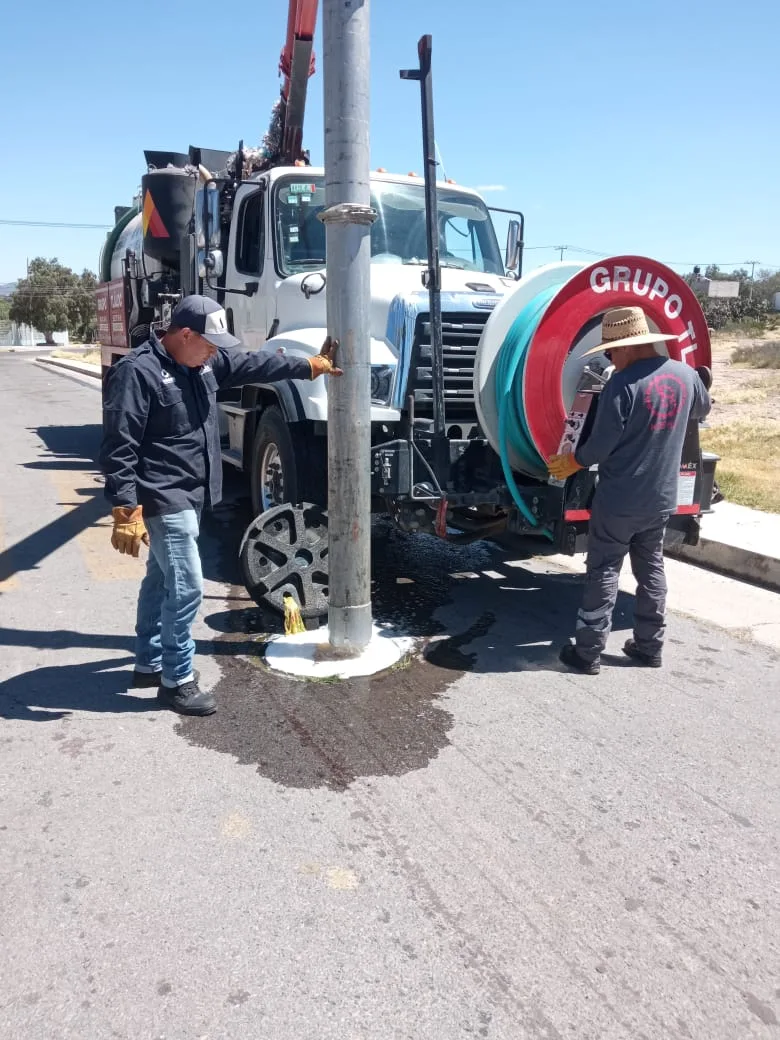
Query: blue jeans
[170,595]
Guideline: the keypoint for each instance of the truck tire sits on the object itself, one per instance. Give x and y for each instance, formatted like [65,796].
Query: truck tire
[288,464]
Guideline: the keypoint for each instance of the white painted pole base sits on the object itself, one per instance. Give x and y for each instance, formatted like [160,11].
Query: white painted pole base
[310,655]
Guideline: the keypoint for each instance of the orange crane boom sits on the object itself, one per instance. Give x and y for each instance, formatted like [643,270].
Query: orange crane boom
[296,65]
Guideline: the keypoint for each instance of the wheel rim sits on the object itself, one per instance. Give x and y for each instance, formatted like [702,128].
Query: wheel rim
[286,551]
[271,478]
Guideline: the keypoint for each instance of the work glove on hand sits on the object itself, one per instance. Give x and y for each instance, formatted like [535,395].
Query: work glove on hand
[562,467]
[323,363]
[129,529]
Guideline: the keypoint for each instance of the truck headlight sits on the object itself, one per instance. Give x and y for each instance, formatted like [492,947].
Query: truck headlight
[382,383]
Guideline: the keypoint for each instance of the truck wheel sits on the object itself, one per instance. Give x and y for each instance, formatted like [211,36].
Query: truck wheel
[288,464]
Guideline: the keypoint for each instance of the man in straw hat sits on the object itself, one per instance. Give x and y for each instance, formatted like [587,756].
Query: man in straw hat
[636,441]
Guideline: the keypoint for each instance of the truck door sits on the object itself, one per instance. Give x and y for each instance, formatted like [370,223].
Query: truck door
[245,263]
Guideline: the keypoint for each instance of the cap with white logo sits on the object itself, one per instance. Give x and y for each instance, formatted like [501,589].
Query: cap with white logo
[206,317]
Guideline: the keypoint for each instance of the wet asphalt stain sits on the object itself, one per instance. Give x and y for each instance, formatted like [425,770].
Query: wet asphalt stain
[325,734]
[328,734]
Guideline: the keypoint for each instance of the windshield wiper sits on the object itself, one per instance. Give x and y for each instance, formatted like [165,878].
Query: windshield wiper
[442,263]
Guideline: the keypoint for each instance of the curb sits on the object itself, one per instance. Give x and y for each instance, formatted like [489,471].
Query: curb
[732,561]
[73,366]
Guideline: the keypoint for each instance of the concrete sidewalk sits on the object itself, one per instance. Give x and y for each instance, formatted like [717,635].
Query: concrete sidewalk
[81,367]
[743,543]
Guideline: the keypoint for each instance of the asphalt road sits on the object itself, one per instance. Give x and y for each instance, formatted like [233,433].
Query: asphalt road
[480,845]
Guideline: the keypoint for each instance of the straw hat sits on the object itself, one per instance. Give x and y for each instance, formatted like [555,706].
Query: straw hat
[625,327]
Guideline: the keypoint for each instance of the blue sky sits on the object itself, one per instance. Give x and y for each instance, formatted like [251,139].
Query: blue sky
[613,128]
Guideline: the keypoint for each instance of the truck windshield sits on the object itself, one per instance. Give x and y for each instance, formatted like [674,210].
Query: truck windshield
[467,240]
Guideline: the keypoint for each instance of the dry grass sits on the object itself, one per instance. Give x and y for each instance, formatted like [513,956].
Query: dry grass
[757,390]
[764,354]
[88,357]
[749,470]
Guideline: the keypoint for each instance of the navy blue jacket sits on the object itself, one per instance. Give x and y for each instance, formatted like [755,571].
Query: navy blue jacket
[161,446]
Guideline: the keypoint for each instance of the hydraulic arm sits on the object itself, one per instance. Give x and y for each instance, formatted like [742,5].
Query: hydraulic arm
[296,66]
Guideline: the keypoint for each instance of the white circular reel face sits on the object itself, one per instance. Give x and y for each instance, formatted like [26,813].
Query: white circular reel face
[492,340]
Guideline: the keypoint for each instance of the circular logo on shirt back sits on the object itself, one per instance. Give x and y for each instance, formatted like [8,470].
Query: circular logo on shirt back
[665,397]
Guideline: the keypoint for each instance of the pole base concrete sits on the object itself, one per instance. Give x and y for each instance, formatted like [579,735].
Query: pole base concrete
[310,655]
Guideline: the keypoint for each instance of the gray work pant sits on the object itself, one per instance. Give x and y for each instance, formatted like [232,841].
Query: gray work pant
[610,539]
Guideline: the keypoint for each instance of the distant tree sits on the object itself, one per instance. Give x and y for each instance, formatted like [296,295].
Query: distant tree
[5,308]
[81,308]
[767,283]
[43,298]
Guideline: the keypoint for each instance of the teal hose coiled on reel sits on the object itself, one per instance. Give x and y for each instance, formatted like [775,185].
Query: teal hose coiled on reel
[514,435]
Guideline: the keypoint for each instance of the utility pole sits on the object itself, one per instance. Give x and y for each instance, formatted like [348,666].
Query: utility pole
[348,217]
[753,264]
[562,249]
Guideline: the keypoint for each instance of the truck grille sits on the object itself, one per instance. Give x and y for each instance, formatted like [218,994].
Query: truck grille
[461,334]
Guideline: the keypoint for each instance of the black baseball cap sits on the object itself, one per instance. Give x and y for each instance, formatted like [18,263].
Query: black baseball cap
[204,316]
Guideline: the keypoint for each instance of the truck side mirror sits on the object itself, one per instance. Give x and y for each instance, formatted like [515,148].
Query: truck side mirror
[207,217]
[513,246]
[211,264]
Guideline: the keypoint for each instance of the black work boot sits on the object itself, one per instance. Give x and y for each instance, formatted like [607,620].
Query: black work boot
[572,659]
[187,699]
[151,680]
[647,660]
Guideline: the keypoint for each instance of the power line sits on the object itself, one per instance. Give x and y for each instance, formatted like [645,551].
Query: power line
[669,263]
[55,224]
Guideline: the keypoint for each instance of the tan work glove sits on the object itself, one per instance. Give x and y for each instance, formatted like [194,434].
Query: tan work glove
[323,363]
[129,529]
[562,467]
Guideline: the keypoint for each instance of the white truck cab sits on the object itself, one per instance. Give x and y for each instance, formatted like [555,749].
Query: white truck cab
[275,257]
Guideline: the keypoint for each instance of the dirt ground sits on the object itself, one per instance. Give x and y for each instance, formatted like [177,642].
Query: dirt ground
[744,425]
[741,393]
[88,355]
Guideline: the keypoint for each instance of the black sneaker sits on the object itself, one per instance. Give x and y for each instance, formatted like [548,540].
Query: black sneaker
[151,680]
[572,659]
[647,660]
[187,699]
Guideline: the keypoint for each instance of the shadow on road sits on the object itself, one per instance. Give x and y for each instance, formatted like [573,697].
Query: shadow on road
[67,639]
[51,693]
[64,448]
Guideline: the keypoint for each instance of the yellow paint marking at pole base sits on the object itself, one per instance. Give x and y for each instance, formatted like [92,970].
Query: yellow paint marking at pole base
[236,826]
[102,561]
[342,879]
[339,878]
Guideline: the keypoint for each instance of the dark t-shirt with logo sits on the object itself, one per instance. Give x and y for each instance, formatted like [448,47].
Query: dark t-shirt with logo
[637,437]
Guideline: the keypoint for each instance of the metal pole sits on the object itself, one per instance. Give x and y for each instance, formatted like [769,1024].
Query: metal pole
[441,451]
[753,264]
[347,218]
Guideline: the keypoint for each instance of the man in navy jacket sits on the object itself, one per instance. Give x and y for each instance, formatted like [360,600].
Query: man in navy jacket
[162,462]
